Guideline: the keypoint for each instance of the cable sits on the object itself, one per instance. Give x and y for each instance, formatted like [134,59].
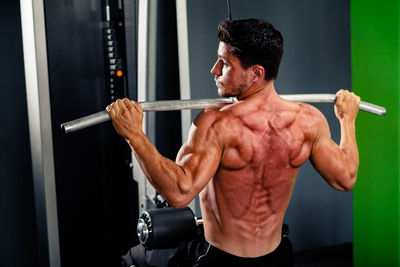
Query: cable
[228,3]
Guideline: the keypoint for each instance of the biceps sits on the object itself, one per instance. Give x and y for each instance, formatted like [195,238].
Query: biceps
[183,151]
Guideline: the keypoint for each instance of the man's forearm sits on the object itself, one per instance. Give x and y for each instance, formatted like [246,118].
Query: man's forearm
[348,146]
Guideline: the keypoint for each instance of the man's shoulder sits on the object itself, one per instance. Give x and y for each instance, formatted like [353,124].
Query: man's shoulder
[206,117]
[312,121]
[298,113]
[310,113]
[208,129]
[210,116]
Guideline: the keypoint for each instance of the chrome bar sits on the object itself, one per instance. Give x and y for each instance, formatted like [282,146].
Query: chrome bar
[310,98]
[168,105]
[371,108]
[331,98]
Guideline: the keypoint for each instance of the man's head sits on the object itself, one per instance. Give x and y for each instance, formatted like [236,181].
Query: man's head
[254,42]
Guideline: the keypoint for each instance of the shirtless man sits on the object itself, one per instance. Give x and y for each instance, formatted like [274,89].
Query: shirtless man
[243,158]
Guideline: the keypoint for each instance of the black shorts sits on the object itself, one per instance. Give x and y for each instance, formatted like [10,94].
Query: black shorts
[199,253]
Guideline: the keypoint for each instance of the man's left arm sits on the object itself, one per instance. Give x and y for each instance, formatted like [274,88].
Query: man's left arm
[197,160]
[338,164]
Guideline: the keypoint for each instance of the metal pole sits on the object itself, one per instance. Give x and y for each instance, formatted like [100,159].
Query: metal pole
[184,74]
[331,98]
[39,114]
[184,66]
[147,21]
[167,105]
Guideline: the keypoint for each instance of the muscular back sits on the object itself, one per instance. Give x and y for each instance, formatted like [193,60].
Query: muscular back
[264,146]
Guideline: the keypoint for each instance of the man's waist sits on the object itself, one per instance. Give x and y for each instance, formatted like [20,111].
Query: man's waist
[238,245]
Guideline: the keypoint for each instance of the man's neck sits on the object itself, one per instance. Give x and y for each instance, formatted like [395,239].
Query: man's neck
[265,88]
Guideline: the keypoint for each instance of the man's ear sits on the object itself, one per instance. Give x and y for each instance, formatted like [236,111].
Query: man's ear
[258,72]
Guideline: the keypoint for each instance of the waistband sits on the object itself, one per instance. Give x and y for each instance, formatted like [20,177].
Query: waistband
[215,255]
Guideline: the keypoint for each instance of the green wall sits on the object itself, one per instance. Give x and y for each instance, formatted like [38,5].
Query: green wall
[376,78]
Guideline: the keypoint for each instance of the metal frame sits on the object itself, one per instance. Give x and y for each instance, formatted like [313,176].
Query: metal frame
[130,15]
[146,43]
[40,130]
[184,69]
[147,30]
[184,74]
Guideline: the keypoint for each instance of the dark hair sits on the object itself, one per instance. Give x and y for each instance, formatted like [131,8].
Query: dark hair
[253,41]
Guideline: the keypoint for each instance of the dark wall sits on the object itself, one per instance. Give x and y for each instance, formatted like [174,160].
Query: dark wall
[17,214]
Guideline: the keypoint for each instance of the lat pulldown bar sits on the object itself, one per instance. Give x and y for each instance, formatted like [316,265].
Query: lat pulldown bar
[169,105]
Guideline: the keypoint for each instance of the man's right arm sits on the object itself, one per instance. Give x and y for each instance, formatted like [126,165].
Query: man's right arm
[338,164]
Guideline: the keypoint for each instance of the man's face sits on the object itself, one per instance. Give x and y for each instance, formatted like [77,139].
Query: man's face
[230,78]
